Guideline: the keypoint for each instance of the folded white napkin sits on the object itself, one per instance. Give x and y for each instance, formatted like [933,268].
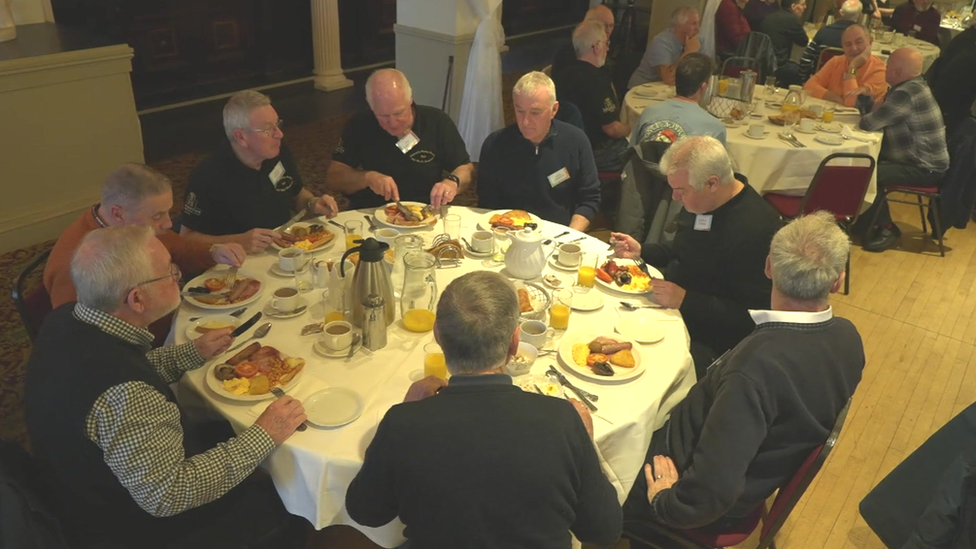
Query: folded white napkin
[306,387]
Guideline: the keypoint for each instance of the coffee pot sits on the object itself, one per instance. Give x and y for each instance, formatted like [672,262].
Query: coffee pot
[525,258]
[371,277]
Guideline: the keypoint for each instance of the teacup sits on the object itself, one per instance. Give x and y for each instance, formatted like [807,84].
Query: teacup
[337,335]
[285,299]
[535,333]
[481,241]
[806,124]
[569,255]
[386,235]
[756,130]
[291,258]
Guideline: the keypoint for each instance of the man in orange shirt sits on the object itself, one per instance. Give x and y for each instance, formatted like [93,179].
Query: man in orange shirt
[857,72]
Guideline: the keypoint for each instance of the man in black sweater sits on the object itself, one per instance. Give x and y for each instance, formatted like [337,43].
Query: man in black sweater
[714,268]
[785,30]
[481,463]
[743,430]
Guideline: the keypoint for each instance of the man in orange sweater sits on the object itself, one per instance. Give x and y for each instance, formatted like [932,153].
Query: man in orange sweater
[134,194]
[857,72]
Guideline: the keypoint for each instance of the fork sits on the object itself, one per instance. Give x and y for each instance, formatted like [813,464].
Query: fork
[236,313]
[278,393]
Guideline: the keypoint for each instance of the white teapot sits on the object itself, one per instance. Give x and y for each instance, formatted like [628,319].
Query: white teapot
[525,258]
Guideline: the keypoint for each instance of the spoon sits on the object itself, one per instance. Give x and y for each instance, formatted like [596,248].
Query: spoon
[258,334]
[635,306]
[372,226]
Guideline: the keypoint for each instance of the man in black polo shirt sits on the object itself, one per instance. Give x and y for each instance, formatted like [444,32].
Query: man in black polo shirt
[249,185]
[399,151]
[583,84]
[538,164]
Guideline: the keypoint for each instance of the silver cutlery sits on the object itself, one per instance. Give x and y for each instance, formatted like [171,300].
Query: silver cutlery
[337,224]
[799,144]
[236,313]
[352,346]
[278,393]
[539,390]
[372,226]
[258,334]
[635,306]
[231,277]
[575,240]
[295,218]
[585,396]
[283,314]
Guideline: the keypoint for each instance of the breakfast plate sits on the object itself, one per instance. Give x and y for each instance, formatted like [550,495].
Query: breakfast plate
[204,324]
[255,288]
[612,286]
[319,239]
[485,222]
[383,218]
[620,373]
[217,386]
[640,328]
[333,407]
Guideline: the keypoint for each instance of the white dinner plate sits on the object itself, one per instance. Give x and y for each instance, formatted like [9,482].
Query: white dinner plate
[380,216]
[833,127]
[565,354]
[319,247]
[808,132]
[612,286]
[191,328]
[485,222]
[829,140]
[588,301]
[198,281]
[640,328]
[217,386]
[333,407]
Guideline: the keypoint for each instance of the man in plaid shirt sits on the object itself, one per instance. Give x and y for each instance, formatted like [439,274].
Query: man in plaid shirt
[914,147]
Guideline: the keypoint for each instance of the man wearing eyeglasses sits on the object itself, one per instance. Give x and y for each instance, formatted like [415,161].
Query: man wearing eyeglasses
[127,468]
[251,184]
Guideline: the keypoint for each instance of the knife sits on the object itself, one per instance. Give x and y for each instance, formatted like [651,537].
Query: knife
[247,325]
[294,218]
[565,383]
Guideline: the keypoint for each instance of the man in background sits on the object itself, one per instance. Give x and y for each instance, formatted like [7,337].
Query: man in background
[665,50]
[828,37]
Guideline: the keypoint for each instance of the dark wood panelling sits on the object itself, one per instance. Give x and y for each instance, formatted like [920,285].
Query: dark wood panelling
[522,16]
[366,31]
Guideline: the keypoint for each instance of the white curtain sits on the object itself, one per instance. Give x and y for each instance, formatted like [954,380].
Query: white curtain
[481,102]
[8,30]
[706,34]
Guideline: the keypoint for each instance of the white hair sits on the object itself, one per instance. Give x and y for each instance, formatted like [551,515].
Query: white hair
[132,183]
[396,77]
[237,111]
[476,317]
[532,82]
[702,157]
[109,263]
[808,256]
[850,10]
[586,35]
[682,14]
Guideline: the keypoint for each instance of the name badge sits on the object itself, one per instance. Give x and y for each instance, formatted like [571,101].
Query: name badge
[917,28]
[558,177]
[276,173]
[703,222]
[408,142]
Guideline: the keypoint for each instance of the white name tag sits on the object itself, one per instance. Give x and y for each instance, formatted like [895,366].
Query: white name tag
[408,142]
[703,222]
[558,177]
[276,173]
[917,28]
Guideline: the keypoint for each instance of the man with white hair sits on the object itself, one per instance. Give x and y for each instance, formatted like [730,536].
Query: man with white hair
[134,194]
[566,55]
[858,72]
[127,467]
[398,150]
[747,426]
[583,84]
[713,271]
[828,37]
[538,164]
[660,60]
[250,185]
[479,463]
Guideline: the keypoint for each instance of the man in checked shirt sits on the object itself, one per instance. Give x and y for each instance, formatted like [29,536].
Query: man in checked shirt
[126,468]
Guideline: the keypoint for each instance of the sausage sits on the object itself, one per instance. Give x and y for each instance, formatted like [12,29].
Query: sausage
[244,353]
[235,292]
[250,288]
[611,348]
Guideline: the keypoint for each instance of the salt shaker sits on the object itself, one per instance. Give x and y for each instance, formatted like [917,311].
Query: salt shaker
[374,322]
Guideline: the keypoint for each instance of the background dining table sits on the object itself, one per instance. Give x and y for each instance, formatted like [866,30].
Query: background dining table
[312,469]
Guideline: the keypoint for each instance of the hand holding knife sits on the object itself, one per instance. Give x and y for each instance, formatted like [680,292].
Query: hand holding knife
[576,390]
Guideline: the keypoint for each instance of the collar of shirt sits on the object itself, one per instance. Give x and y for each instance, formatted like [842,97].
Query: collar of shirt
[760,316]
[114,326]
[910,80]
[94,211]
[481,379]
[553,132]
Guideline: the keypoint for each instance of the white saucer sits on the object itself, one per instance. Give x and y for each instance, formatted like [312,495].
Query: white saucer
[275,313]
[278,271]
[564,281]
[640,328]
[555,264]
[333,407]
[829,140]
[589,301]
[764,135]
[479,255]
[833,127]
[808,132]
[329,353]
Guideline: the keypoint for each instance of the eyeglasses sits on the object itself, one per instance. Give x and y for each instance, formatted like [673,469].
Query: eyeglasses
[267,131]
[174,273]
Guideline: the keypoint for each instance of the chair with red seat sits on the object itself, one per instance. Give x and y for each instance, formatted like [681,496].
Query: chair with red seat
[827,54]
[36,304]
[838,187]
[772,519]
[932,193]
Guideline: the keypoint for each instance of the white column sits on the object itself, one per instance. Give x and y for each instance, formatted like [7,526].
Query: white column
[325,42]
[8,29]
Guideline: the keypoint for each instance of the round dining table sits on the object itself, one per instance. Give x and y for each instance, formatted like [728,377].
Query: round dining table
[313,468]
[771,163]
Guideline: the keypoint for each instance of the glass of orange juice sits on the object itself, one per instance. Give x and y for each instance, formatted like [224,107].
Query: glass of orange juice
[419,320]
[434,362]
[586,276]
[828,112]
[723,85]
[331,312]
[354,232]
[562,304]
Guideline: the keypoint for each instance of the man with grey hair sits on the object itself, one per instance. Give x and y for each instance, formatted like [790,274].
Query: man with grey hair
[133,194]
[583,84]
[744,429]
[398,150]
[660,60]
[538,164]
[481,463]
[128,469]
[828,37]
[566,55]
[250,184]
[713,270]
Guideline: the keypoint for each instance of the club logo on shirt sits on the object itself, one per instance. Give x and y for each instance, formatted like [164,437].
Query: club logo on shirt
[662,131]
[190,205]
[284,183]
[422,156]
[609,105]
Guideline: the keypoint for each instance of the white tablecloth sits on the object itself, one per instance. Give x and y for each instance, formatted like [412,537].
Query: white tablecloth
[770,163]
[313,469]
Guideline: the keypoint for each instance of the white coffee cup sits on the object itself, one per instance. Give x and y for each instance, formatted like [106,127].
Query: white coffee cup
[285,299]
[535,333]
[337,335]
[756,130]
[386,235]
[806,124]
[569,255]
[481,241]
[289,258]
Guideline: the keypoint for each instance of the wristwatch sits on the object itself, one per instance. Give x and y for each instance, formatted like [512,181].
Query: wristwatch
[311,203]
[852,71]
[454,178]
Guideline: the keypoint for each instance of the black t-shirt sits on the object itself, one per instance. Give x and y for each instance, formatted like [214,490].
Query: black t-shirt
[784,30]
[366,146]
[226,197]
[590,89]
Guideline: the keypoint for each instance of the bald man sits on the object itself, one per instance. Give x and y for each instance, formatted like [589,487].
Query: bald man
[399,150]
[914,146]
[566,54]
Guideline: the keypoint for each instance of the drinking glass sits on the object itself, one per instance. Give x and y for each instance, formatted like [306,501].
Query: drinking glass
[562,305]
[331,308]
[770,86]
[586,275]
[434,362]
[502,240]
[302,271]
[828,112]
[354,232]
[452,226]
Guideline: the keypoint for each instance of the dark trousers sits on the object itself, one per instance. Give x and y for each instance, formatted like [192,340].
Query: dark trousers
[894,173]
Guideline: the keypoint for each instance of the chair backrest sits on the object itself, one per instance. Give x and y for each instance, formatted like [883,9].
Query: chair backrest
[827,54]
[759,46]
[570,114]
[733,66]
[839,187]
[790,494]
[28,520]
[34,306]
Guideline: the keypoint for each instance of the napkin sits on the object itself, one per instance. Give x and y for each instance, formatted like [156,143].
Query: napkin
[306,387]
[846,131]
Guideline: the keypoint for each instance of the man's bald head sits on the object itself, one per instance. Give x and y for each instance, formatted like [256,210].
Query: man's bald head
[603,14]
[388,83]
[903,64]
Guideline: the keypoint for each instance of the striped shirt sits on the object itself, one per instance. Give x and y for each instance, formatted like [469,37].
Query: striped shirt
[914,132]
